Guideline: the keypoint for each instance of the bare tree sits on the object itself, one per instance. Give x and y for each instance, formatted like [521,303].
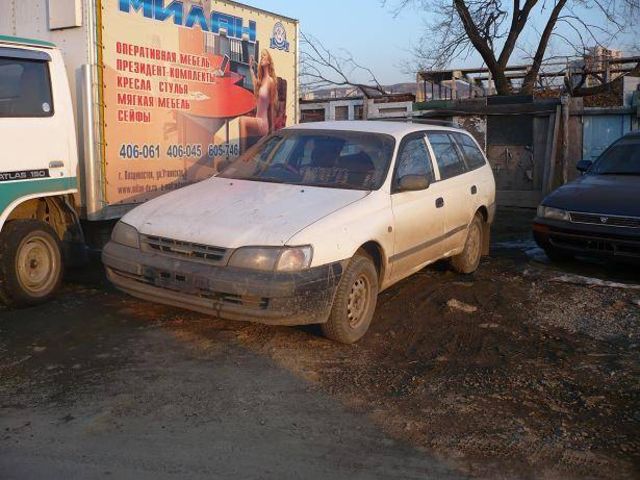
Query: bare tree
[493,29]
[321,67]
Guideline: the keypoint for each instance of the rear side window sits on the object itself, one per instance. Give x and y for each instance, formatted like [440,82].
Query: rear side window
[414,159]
[25,88]
[447,156]
[472,155]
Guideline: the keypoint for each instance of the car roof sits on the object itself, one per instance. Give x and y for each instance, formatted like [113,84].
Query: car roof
[396,129]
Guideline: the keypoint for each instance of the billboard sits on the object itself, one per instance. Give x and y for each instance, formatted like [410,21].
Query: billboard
[187,86]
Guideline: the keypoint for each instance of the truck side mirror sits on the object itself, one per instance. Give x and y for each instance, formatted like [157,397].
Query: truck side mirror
[413,183]
[584,165]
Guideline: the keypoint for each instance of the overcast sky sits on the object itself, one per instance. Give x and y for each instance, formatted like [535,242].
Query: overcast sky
[375,37]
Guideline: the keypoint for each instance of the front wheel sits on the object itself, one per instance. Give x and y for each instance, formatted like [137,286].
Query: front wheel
[355,301]
[469,259]
[30,263]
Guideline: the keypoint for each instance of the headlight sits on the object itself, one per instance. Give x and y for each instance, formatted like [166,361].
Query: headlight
[272,259]
[126,235]
[553,213]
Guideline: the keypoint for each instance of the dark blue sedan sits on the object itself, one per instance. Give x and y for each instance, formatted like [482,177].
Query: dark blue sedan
[599,213]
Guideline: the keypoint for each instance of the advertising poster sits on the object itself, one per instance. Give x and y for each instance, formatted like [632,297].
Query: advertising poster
[188,85]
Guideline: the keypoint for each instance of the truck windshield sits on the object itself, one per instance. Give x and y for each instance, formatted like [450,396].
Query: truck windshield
[327,158]
[622,158]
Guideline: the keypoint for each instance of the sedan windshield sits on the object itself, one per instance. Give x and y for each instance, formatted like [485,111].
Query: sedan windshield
[322,158]
[622,158]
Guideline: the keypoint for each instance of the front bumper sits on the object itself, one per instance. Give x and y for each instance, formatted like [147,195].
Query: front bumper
[586,239]
[264,297]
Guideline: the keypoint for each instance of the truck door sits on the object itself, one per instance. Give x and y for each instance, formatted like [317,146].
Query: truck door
[35,146]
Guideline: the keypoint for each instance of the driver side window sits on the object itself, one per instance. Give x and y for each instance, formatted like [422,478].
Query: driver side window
[414,159]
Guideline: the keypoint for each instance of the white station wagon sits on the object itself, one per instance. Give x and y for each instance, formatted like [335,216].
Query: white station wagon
[311,224]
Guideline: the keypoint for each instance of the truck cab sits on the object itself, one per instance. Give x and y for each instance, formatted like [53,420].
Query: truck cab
[39,227]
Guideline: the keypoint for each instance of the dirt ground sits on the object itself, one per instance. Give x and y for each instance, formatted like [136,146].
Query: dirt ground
[523,370]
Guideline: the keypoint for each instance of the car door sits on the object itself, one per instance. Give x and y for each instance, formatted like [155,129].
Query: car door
[455,189]
[418,218]
[479,183]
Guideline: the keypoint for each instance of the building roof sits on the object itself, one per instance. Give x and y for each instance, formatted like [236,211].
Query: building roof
[397,129]
[31,42]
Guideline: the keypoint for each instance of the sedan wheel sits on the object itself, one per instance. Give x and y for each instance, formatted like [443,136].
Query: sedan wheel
[469,259]
[355,301]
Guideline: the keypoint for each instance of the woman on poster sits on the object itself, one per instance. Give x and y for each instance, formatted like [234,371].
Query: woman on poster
[265,84]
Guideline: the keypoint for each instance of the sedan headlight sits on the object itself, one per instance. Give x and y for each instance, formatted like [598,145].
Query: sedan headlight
[126,235]
[553,213]
[271,259]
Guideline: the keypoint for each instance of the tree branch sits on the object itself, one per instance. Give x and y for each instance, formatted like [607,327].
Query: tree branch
[322,68]
[530,79]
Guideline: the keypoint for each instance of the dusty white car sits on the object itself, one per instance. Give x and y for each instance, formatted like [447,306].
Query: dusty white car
[311,224]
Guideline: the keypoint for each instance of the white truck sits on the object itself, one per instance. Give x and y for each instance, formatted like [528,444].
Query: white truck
[110,103]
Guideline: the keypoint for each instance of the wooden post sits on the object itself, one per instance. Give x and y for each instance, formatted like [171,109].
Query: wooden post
[565,138]
[554,150]
[547,154]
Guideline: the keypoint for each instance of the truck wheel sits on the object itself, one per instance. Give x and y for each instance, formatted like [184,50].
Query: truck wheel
[355,301]
[30,263]
[469,260]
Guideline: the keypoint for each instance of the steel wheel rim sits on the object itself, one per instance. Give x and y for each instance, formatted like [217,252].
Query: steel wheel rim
[36,265]
[473,242]
[358,302]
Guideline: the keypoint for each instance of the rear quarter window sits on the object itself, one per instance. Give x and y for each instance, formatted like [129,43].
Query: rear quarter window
[447,155]
[25,88]
[473,157]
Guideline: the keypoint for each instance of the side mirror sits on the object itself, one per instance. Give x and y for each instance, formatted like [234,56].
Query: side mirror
[413,183]
[584,165]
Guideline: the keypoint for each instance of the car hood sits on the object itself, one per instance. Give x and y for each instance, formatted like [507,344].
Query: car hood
[605,194]
[235,213]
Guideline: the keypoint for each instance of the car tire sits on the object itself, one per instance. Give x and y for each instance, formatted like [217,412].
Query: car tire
[469,259]
[31,265]
[355,301]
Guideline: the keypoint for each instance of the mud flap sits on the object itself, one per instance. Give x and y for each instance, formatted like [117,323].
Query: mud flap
[486,238]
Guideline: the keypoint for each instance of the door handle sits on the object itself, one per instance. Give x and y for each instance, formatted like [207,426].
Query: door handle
[440,202]
[56,164]
[474,190]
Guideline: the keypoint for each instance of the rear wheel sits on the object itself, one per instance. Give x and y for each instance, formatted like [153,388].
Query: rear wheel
[469,259]
[355,301]
[30,263]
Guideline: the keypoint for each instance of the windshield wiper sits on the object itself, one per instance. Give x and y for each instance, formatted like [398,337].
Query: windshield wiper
[335,186]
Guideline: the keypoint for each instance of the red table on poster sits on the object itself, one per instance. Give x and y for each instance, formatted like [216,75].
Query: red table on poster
[223,99]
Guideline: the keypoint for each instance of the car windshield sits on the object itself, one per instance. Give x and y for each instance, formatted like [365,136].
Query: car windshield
[321,158]
[622,158]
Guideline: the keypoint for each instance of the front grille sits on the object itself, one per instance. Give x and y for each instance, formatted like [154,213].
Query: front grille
[191,251]
[595,244]
[180,284]
[611,221]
